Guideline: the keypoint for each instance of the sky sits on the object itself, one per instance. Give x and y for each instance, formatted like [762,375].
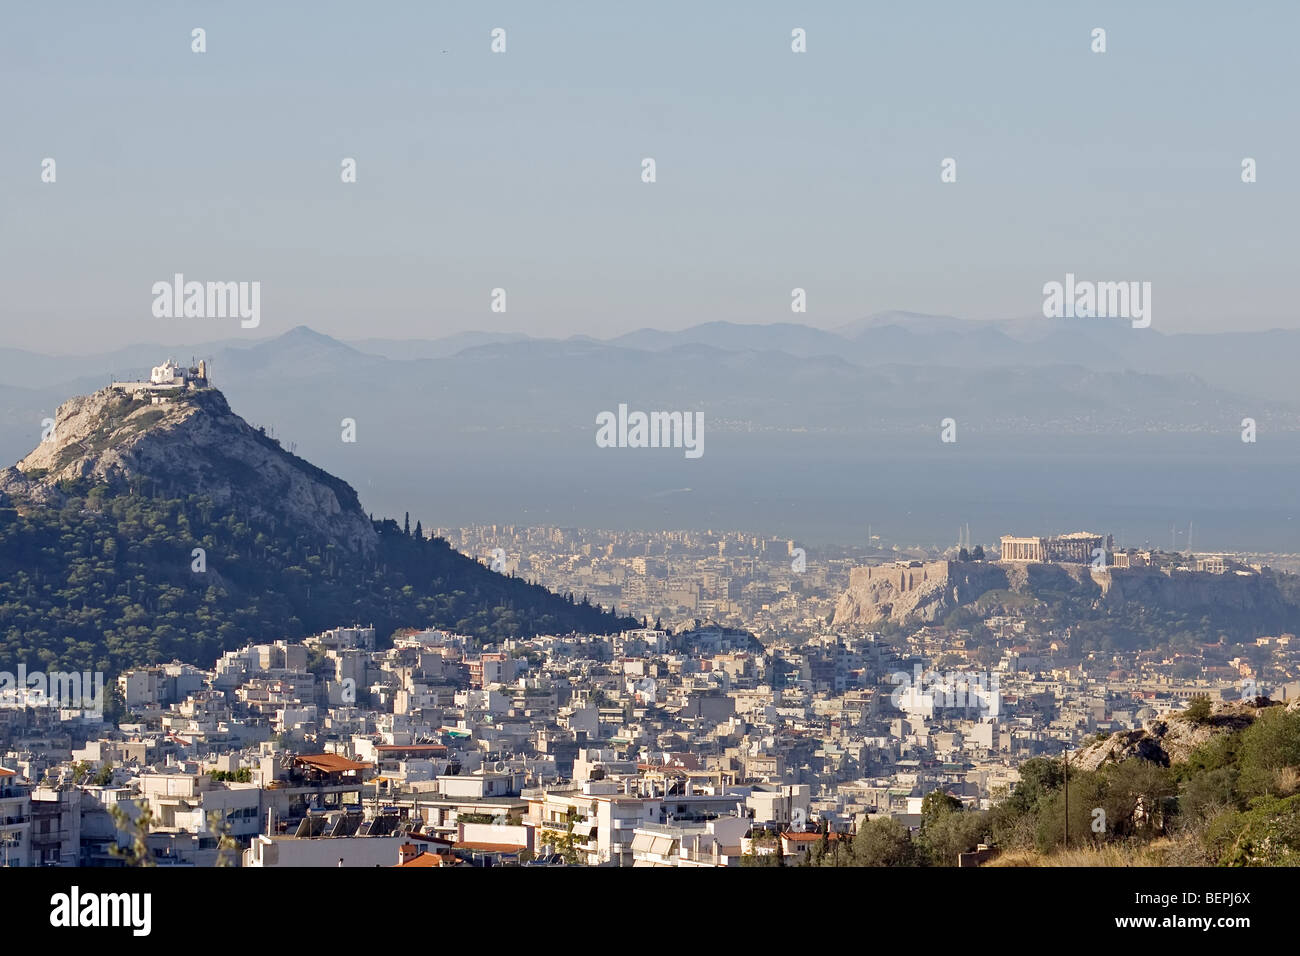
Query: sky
[522,170]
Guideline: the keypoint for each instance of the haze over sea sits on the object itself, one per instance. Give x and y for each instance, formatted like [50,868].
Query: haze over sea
[818,489]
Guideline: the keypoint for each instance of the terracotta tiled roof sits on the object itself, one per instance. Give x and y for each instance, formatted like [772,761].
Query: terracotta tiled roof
[424,859]
[329,763]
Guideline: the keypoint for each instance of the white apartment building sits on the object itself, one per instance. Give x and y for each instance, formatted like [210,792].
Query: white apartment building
[15,819]
[711,843]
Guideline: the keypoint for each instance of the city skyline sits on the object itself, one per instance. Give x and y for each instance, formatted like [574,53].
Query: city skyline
[591,436]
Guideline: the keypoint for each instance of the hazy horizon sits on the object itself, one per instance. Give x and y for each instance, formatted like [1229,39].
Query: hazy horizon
[521,170]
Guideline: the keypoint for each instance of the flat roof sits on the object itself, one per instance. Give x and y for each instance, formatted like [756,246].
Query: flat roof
[329,763]
[811,837]
[491,847]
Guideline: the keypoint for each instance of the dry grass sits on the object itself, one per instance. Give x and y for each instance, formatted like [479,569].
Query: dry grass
[1286,782]
[1162,852]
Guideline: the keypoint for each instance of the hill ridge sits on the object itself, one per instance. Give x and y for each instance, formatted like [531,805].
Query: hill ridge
[142,532]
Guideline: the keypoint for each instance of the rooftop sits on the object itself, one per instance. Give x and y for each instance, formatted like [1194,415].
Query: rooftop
[329,763]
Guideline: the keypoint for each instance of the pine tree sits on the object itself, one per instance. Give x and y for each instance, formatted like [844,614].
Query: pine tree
[419,532]
[406,528]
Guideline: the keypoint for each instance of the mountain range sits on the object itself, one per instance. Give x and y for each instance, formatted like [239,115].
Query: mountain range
[1084,372]
[485,426]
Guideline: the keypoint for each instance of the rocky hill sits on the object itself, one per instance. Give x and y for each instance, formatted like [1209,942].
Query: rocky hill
[925,591]
[1172,738]
[1238,604]
[143,532]
[192,443]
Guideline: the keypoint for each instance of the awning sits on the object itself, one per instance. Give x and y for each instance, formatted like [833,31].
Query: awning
[662,846]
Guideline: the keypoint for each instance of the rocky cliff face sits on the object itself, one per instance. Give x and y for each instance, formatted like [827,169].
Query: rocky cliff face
[930,591]
[191,444]
[894,592]
[1257,594]
[926,592]
[1172,738]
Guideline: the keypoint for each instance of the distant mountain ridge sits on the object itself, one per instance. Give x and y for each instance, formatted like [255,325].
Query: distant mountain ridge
[882,338]
[483,427]
[746,380]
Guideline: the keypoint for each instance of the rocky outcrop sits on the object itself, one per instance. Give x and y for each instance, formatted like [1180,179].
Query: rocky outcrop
[895,592]
[1251,594]
[930,590]
[191,443]
[1170,738]
[921,591]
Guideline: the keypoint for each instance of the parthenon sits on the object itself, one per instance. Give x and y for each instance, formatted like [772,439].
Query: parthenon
[1078,547]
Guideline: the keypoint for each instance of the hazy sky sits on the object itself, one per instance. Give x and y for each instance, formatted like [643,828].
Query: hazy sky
[522,170]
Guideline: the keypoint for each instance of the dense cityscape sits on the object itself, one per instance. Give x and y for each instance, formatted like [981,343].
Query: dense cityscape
[740,725]
[538,440]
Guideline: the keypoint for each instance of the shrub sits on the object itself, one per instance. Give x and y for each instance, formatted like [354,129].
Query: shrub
[1199,710]
[884,842]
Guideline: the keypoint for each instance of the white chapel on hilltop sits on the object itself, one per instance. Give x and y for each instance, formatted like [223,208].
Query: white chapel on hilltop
[165,378]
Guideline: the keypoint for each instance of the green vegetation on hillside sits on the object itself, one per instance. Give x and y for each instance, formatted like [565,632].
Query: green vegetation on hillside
[106,582]
[1235,802]
[1267,604]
